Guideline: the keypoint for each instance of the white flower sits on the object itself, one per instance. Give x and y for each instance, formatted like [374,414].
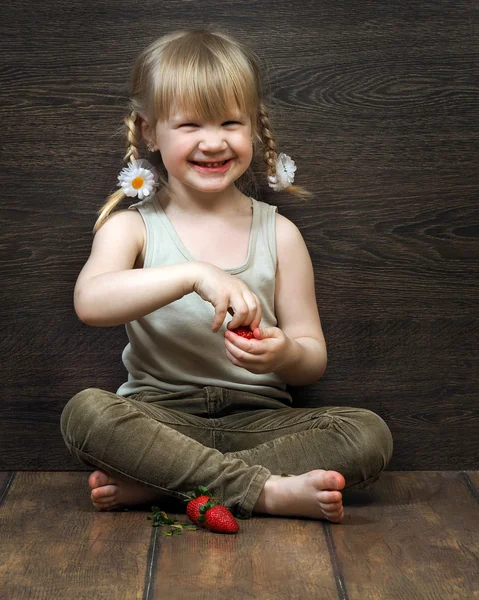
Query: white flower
[285,169]
[138,178]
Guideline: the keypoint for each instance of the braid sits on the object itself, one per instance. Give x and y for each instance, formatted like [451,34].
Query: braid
[133,134]
[270,151]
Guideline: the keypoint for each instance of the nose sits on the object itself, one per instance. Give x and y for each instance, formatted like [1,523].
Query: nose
[212,140]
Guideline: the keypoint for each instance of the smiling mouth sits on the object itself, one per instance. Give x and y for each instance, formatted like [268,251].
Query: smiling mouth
[211,165]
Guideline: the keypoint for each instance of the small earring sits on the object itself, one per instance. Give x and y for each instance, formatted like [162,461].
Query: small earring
[150,147]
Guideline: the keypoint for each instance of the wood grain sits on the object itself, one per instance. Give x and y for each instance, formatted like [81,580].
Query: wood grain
[472,480]
[269,558]
[413,535]
[6,479]
[56,545]
[378,104]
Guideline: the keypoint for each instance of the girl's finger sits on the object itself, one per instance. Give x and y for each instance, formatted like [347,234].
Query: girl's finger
[251,306]
[232,358]
[232,350]
[220,314]
[240,310]
[240,347]
[258,314]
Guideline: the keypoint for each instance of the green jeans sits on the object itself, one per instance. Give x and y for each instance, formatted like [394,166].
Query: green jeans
[227,440]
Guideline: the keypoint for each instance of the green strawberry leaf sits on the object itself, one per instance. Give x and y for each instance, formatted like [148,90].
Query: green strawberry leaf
[200,490]
[160,517]
[206,506]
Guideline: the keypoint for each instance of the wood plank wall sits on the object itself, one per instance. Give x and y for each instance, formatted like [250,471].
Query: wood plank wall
[378,104]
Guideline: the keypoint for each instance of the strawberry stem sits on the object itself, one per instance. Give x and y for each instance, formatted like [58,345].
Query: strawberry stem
[204,508]
[200,490]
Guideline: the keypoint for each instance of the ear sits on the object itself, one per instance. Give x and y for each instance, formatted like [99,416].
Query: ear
[147,133]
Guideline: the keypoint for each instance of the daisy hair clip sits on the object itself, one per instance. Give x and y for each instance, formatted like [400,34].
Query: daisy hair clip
[139,178]
[285,169]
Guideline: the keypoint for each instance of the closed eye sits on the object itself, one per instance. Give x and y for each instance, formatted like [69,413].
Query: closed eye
[225,124]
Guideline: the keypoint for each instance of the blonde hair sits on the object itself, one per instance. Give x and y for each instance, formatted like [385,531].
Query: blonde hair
[203,73]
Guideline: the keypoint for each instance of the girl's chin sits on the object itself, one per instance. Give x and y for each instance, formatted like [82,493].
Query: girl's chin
[211,184]
[213,187]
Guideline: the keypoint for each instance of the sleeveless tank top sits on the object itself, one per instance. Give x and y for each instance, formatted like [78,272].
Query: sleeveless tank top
[173,348]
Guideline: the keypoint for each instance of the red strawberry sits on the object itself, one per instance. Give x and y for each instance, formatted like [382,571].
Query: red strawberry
[193,509]
[199,497]
[244,332]
[216,517]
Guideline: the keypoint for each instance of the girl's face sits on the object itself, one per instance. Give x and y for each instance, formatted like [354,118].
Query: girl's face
[203,155]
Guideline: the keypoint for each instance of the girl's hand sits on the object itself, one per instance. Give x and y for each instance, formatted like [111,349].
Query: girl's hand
[227,293]
[267,352]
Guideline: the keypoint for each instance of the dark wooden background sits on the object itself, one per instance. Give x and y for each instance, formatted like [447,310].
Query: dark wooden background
[378,104]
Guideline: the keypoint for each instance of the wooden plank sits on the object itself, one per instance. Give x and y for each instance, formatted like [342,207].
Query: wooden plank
[414,535]
[269,558]
[56,545]
[3,477]
[6,478]
[472,478]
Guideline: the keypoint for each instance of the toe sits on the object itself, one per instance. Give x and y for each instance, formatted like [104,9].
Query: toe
[328,497]
[334,515]
[104,503]
[334,480]
[336,519]
[331,507]
[98,479]
[103,493]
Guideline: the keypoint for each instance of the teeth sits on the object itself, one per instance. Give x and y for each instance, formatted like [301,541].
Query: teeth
[213,164]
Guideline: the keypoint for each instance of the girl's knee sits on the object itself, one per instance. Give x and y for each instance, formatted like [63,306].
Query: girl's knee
[379,440]
[79,413]
[369,435]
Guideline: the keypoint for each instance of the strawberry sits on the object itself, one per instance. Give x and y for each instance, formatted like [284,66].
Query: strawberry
[193,509]
[197,498]
[216,517]
[244,332]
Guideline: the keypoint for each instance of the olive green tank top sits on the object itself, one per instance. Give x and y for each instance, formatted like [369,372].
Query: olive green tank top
[173,348]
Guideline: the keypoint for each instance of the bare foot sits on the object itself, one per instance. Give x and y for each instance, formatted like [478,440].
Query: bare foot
[108,492]
[315,494]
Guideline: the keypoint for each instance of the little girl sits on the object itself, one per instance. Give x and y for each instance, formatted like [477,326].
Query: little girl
[182,268]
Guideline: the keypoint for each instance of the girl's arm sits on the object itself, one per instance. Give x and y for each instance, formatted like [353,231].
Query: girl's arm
[296,307]
[110,291]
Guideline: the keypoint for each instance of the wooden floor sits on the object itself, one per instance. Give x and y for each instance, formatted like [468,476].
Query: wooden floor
[413,535]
